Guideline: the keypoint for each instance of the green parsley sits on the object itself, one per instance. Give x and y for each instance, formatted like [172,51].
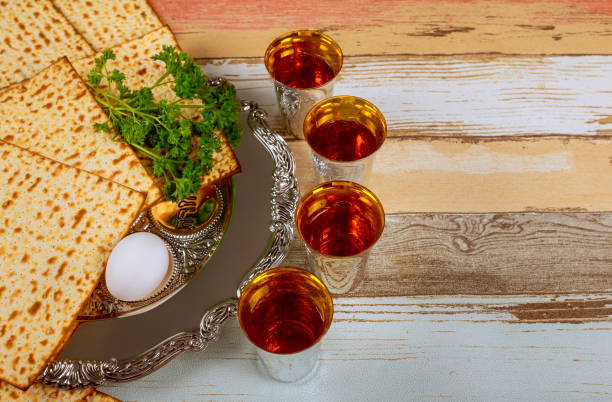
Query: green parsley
[181,148]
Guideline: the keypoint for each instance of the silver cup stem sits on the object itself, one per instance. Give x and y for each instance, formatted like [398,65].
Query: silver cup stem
[294,104]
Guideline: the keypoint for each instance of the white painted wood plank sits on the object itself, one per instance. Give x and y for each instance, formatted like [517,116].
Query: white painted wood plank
[410,349]
[484,174]
[461,95]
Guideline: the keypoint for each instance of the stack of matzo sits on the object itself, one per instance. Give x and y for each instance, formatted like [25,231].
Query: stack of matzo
[134,59]
[43,393]
[52,251]
[53,114]
[59,224]
[98,396]
[34,34]
[108,23]
[31,47]
[37,32]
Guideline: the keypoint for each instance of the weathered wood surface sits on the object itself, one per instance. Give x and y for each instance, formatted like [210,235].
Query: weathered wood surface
[484,254]
[228,28]
[483,95]
[446,74]
[472,96]
[416,349]
[469,174]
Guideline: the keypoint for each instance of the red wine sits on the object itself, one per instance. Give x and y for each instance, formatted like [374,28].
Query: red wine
[342,140]
[284,321]
[302,70]
[343,226]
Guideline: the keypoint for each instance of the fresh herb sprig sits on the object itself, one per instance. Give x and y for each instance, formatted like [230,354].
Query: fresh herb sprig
[181,148]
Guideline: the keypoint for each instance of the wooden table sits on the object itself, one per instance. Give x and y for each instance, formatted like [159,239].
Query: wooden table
[493,279]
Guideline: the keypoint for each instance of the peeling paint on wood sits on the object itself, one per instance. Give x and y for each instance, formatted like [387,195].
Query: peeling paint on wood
[441,174]
[480,254]
[229,29]
[410,348]
[538,323]
[573,311]
[473,95]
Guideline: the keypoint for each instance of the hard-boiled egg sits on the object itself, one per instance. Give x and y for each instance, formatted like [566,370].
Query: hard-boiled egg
[137,267]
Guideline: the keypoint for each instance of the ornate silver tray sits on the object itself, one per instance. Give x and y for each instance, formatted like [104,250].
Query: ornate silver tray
[257,238]
[190,250]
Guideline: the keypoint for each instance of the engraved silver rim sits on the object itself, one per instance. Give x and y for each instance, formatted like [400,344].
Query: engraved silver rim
[284,199]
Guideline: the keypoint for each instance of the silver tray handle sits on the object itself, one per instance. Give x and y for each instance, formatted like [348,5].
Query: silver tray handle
[285,193]
[80,373]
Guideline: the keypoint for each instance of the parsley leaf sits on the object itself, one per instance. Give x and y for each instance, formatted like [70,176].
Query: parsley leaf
[180,148]
[102,127]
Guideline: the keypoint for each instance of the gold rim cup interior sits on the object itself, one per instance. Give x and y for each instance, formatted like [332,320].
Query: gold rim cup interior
[318,198]
[350,108]
[304,41]
[285,279]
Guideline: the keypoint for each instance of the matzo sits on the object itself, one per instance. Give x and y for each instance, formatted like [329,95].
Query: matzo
[42,393]
[134,59]
[107,23]
[34,34]
[53,113]
[59,225]
[98,396]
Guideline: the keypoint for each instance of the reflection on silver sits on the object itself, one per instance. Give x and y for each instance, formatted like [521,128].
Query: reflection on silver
[79,374]
[290,367]
[187,208]
[194,249]
[356,171]
[339,274]
[284,198]
[284,191]
[294,104]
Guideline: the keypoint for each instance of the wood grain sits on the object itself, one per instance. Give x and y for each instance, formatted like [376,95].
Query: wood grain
[478,174]
[411,349]
[228,29]
[484,254]
[536,345]
[484,95]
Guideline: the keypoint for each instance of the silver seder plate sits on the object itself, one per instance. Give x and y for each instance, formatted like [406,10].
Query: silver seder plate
[137,339]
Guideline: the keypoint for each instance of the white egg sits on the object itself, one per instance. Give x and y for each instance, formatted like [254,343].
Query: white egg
[137,266]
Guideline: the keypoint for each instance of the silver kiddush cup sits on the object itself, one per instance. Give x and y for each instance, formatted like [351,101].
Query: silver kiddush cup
[304,65]
[285,312]
[344,155]
[339,223]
